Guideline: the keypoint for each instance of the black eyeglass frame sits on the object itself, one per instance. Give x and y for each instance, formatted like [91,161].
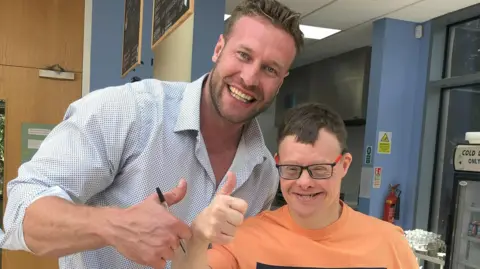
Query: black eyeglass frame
[302,168]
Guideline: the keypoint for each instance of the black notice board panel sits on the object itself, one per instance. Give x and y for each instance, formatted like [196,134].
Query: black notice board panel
[132,35]
[168,15]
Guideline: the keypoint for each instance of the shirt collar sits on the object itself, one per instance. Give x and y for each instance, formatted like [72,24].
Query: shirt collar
[189,119]
[189,115]
[252,134]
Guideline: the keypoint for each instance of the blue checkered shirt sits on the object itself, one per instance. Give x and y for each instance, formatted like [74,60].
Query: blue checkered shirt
[116,145]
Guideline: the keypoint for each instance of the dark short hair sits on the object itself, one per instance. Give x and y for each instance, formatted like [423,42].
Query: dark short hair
[306,120]
[276,12]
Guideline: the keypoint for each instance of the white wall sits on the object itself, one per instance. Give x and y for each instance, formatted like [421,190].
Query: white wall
[173,56]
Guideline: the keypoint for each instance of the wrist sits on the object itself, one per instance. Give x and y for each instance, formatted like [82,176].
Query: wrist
[197,242]
[197,250]
[198,237]
[102,224]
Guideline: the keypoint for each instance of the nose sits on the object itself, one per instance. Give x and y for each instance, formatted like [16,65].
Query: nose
[305,181]
[251,75]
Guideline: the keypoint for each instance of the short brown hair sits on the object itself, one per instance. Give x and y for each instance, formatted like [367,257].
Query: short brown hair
[306,120]
[274,11]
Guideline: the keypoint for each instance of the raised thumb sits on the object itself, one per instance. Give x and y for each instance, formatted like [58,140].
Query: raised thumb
[229,185]
[176,194]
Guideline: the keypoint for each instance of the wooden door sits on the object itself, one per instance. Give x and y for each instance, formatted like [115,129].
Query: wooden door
[31,99]
[34,35]
[42,33]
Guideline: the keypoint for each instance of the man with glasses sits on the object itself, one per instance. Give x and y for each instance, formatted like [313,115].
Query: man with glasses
[315,229]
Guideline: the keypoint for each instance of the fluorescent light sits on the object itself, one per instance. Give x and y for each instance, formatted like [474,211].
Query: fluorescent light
[313,32]
[310,32]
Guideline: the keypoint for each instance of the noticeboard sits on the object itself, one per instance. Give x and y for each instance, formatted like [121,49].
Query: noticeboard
[168,15]
[32,137]
[132,35]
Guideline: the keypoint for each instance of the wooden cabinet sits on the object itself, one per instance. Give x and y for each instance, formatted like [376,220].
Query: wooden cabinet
[42,33]
[33,35]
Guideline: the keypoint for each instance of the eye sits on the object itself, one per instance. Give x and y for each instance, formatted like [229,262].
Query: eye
[319,168]
[244,55]
[270,70]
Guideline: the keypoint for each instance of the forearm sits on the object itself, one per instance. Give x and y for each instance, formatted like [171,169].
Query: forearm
[55,227]
[196,256]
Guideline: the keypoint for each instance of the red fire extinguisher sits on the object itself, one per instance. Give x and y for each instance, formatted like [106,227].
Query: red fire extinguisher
[391,211]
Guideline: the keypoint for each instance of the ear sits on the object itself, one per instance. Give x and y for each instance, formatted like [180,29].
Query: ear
[218,48]
[279,86]
[347,161]
[277,158]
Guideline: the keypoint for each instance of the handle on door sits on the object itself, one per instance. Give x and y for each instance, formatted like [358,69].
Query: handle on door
[56,71]
[55,67]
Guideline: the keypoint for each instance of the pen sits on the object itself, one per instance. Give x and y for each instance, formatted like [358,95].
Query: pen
[164,203]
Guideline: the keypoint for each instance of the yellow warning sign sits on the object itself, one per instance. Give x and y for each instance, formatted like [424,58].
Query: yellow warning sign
[384,138]
[384,143]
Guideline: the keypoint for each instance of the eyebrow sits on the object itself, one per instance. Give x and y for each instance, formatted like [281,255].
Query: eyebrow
[291,162]
[273,62]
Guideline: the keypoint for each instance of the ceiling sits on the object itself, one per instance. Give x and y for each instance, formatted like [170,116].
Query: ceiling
[355,18]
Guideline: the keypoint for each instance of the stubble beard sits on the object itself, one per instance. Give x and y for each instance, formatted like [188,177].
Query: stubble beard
[216,93]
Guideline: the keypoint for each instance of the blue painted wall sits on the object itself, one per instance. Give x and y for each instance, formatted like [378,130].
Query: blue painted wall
[106,48]
[372,107]
[208,15]
[395,104]
[107,36]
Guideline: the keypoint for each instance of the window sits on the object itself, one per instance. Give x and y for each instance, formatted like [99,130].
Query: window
[464,48]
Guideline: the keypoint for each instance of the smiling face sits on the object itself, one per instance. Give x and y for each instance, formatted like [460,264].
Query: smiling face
[310,198]
[250,66]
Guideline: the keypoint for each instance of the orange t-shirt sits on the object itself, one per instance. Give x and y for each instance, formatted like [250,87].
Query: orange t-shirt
[272,240]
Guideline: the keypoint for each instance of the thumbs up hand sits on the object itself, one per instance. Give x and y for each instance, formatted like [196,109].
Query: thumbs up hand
[218,222]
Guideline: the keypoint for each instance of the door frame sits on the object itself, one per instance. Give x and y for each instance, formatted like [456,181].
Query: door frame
[87,46]
[427,198]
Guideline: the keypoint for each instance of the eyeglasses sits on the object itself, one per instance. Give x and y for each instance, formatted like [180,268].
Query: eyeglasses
[316,171]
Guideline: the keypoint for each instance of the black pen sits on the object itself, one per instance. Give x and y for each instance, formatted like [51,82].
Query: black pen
[164,203]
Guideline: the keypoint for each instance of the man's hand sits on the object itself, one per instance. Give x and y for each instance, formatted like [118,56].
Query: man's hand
[147,233]
[219,221]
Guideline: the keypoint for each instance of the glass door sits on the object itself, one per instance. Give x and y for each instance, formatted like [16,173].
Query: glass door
[460,113]
[466,248]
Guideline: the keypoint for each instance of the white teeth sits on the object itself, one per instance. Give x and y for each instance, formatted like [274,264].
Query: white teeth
[306,196]
[240,95]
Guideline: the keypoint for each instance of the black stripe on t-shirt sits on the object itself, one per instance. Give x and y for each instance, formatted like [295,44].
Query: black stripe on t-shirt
[266,266]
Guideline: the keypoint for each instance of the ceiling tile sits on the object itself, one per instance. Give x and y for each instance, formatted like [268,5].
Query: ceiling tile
[305,6]
[429,9]
[415,14]
[302,6]
[344,14]
[354,38]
